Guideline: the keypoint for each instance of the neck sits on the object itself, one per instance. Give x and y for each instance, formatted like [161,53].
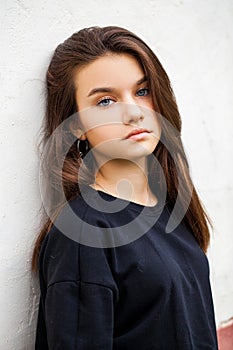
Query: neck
[126,179]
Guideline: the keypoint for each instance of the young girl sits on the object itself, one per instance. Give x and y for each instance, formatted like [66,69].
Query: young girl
[121,255]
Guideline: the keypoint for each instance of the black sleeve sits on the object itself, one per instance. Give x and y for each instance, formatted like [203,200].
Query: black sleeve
[78,294]
[79,316]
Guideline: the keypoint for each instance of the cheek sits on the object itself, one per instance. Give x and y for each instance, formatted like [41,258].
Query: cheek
[158,128]
[96,121]
[148,103]
[152,120]
[100,134]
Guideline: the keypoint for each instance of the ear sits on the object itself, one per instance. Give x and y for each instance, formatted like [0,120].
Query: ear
[83,136]
[77,131]
[80,134]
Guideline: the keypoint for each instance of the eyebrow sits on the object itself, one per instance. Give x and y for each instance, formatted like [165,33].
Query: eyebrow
[111,89]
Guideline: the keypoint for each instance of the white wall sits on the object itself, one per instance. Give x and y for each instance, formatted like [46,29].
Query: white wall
[193,40]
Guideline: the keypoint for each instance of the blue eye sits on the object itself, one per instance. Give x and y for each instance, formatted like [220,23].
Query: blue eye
[104,102]
[143,92]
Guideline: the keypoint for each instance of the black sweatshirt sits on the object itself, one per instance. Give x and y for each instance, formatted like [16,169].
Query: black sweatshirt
[151,293]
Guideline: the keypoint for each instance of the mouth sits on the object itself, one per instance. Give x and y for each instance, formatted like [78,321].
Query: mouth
[135,133]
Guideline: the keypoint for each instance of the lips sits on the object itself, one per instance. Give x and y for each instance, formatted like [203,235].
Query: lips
[136,132]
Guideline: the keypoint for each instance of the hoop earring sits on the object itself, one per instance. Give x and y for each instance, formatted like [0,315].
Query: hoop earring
[79,143]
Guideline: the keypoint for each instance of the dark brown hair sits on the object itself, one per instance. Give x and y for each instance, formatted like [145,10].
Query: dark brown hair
[80,49]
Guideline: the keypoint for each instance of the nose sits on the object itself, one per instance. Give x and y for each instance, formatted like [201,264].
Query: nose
[132,113]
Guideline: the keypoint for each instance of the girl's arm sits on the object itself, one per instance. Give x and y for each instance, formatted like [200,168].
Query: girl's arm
[77,301]
[79,316]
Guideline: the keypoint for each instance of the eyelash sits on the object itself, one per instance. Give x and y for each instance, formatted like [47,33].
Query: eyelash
[107,98]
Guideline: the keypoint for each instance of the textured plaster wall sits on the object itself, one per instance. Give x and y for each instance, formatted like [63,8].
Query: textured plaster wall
[193,40]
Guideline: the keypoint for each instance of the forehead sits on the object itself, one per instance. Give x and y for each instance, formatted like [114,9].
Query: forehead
[110,70]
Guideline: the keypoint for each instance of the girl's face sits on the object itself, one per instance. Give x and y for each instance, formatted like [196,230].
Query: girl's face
[113,99]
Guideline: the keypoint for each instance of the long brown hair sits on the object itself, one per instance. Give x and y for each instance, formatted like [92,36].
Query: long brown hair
[82,48]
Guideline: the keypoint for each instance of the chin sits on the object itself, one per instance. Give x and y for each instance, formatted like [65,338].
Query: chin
[135,155]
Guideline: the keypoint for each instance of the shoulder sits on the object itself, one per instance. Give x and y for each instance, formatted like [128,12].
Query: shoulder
[63,254]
